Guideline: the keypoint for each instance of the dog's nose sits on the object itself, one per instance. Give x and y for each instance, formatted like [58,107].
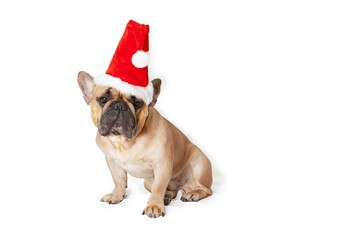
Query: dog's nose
[119,105]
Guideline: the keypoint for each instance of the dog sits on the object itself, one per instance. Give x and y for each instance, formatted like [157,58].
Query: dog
[136,139]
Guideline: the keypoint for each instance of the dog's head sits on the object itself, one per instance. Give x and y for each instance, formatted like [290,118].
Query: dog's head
[116,115]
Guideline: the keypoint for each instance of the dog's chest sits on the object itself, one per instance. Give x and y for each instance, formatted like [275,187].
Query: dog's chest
[132,161]
[139,168]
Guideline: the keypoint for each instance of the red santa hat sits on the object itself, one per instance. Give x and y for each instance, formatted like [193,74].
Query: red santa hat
[128,69]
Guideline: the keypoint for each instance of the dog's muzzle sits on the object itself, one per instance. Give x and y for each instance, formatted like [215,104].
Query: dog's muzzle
[118,119]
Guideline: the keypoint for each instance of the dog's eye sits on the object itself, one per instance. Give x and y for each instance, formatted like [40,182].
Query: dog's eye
[136,102]
[103,100]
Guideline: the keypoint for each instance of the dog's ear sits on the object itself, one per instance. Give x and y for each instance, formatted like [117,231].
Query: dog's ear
[156,83]
[87,85]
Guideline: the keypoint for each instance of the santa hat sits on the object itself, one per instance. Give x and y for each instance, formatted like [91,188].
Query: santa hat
[128,69]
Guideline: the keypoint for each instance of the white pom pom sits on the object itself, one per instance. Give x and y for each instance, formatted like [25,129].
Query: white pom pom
[140,59]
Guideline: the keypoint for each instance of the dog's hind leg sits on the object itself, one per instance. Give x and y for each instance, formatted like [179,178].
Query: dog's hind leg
[198,186]
[169,195]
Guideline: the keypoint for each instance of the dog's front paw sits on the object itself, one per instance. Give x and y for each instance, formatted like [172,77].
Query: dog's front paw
[112,198]
[154,210]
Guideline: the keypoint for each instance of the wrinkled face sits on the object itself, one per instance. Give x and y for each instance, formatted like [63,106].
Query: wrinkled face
[117,114]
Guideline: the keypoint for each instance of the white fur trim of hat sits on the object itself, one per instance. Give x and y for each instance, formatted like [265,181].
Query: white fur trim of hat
[144,93]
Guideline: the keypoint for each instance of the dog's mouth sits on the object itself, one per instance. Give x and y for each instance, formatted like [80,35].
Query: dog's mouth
[118,120]
[115,132]
[117,129]
[128,134]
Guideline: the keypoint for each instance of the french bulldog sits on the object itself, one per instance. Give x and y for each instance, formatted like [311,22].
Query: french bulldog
[136,139]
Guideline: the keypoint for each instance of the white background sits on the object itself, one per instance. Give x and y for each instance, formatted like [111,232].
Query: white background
[268,89]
